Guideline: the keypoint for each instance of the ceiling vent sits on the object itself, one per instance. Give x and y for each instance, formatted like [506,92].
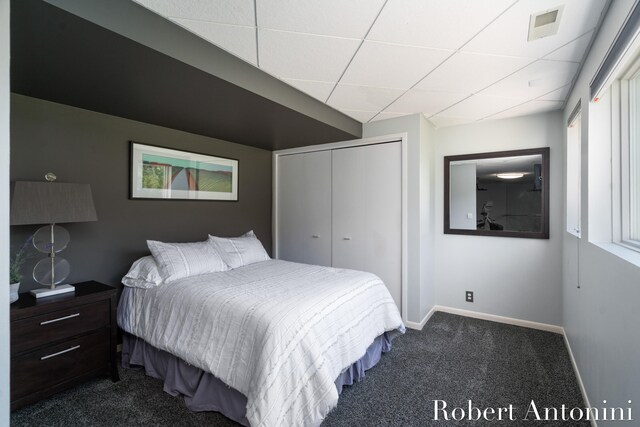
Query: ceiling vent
[544,24]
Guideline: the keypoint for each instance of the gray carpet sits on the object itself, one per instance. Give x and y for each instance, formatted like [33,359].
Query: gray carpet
[453,358]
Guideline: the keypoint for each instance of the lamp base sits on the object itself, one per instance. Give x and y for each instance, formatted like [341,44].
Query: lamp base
[61,289]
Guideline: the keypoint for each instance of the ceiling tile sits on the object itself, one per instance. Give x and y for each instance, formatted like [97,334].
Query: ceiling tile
[434,23]
[531,107]
[303,56]
[387,115]
[361,116]
[312,44]
[572,51]
[342,18]
[537,79]
[319,90]
[237,12]
[441,121]
[470,72]
[425,101]
[478,107]
[557,95]
[391,66]
[362,98]
[508,34]
[239,40]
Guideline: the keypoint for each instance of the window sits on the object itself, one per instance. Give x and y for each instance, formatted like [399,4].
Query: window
[615,89]
[574,160]
[630,163]
[627,158]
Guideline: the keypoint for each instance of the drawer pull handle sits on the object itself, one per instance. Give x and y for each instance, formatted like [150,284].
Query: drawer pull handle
[48,356]
[71,316]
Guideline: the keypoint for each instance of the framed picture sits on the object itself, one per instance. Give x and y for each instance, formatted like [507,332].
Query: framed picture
[164,173]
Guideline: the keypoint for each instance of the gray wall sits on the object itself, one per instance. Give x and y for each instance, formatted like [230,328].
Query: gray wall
[601,283]
[427,217]
[512,277]
[88,147]
[4,210]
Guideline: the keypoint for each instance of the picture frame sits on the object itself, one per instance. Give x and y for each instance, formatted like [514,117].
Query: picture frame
[465,213]
[165,173]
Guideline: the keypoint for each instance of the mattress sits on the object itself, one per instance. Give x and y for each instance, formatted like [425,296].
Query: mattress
[278,332]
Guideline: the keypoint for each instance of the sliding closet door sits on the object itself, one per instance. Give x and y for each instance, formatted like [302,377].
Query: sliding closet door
[367,212]
[304,208]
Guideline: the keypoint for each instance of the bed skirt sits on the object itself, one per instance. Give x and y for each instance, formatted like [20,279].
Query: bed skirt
[204,392]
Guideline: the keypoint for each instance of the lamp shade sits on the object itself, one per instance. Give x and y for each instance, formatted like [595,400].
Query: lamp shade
[51,203]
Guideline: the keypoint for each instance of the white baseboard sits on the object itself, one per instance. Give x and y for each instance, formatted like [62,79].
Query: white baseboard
[583,390]
[419,326]
[500,319]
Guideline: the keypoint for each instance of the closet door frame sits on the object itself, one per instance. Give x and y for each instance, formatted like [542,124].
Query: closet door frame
[402,137]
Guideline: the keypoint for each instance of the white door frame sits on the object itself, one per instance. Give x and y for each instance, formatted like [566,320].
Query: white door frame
[402,137]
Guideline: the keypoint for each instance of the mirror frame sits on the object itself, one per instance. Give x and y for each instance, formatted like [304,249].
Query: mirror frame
[544,174]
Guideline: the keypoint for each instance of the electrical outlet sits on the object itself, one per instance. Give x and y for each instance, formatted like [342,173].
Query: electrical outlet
[469,296]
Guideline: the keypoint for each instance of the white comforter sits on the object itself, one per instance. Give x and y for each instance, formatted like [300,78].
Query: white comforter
[278,332]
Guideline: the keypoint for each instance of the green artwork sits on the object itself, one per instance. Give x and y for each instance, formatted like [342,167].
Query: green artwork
[152,176]
[163,173]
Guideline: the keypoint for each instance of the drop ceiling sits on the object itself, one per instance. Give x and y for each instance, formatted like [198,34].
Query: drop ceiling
[455,61]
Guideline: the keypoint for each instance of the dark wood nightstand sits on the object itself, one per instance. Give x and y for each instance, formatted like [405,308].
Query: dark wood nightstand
[62,340]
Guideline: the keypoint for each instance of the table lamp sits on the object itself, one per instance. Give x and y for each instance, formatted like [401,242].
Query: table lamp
[51,203]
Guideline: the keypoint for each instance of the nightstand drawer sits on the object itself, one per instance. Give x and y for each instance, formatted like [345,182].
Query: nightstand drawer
[55,365]
[56,325]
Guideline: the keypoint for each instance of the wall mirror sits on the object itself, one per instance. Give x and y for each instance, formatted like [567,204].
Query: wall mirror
[503,193]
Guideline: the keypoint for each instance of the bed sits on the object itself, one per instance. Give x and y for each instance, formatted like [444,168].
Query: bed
[278,337]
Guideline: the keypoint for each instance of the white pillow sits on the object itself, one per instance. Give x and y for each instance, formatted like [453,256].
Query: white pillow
[179,260]
[239,251]
[143,274]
